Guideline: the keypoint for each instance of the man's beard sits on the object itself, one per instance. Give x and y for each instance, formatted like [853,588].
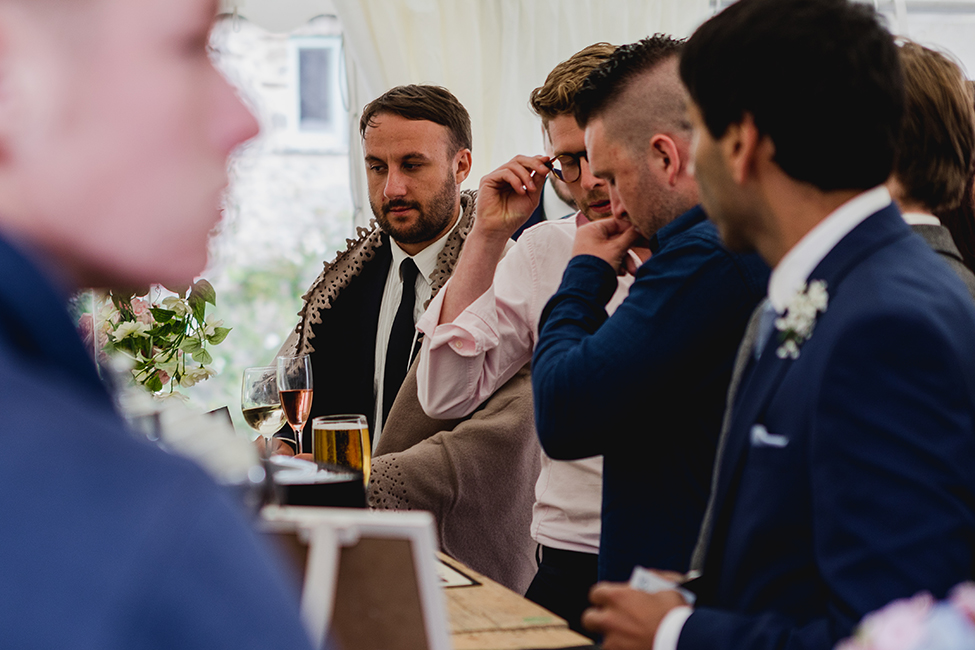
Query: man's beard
[431,219]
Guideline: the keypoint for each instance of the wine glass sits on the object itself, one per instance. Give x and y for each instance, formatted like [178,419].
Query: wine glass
[261,404]
[295,387]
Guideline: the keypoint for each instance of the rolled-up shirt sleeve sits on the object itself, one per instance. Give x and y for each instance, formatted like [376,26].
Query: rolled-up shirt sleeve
[463,362]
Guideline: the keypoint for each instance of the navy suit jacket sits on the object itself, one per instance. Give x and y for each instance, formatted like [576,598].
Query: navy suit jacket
[646,388]
[108,542]
[863,489]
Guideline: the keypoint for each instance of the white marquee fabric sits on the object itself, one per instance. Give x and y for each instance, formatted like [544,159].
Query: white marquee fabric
[490,53]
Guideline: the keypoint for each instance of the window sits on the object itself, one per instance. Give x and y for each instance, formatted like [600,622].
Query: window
[318,119]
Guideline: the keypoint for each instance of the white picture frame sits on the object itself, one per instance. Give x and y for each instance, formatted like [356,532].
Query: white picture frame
[383,562]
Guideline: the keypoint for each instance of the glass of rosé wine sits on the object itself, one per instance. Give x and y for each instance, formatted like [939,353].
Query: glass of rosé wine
[295,389]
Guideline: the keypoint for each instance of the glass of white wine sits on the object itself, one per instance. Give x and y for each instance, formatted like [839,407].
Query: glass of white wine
[261,403]
[295,387]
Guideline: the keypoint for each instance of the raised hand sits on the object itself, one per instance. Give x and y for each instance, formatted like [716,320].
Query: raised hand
[607,239]
[508,195]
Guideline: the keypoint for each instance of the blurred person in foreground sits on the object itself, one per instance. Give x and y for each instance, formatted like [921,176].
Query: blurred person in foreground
[483,325]
[934,153]
[645,386]
[115,128]
[844,479]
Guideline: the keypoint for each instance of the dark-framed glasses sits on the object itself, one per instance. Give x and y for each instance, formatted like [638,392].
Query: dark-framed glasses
[567,166]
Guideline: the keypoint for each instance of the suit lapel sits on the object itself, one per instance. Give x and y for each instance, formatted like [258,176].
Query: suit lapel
[761,379]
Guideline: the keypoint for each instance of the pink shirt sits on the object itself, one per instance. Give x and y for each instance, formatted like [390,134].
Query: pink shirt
[464,362]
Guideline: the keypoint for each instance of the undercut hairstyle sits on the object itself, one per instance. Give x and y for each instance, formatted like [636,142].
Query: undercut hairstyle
[557,96]
[933,161]
[820,78]
[605,84]
[417,102]
[637,93]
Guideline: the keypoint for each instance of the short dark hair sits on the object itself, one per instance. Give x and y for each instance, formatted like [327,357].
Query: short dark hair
[419,102]
[810,73]
[557,96]
[934,154]
[606,83]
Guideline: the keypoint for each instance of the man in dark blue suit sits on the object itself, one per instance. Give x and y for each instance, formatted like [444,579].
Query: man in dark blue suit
[644,387]
[844,479]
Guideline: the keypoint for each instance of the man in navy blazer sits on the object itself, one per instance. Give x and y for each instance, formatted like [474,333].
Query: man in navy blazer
[645,387]
[845,479]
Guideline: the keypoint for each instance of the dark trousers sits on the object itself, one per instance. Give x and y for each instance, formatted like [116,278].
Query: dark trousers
[562,584]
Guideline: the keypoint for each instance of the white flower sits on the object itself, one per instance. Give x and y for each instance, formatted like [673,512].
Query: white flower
[211,326]
[178,305]
[796,325]
[195,375]
[129,328]
[171,395]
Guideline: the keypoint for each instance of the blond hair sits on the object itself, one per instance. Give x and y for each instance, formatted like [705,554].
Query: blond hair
[557,95]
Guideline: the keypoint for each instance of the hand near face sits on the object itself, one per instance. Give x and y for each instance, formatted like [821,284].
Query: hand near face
[508,195]
[627,618]
[607,239]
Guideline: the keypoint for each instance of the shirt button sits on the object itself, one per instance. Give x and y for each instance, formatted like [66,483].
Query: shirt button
[459,345]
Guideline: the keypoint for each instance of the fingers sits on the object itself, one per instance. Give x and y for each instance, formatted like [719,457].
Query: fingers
[523,174]
[281,448]
[602,596]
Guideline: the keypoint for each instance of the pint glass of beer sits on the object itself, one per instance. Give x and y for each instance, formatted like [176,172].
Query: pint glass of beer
[343,440]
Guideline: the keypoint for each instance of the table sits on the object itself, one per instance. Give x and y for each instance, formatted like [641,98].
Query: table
[488,616]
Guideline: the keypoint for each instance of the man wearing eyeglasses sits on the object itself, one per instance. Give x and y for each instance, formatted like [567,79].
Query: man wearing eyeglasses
[483,325]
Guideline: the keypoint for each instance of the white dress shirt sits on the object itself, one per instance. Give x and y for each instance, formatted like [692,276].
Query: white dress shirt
[426,262]
[787,278]
[921,219]
[465,361]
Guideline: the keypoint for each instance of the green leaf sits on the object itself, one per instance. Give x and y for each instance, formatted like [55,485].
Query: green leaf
[203,290]
[154,383]
[178,289]
[202,357]
[119,300]
[219,334]
[191,345]
[162,315]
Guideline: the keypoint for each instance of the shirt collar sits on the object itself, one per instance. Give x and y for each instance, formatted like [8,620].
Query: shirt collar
[921,219]
[425,260]
[681,224]
[793,270]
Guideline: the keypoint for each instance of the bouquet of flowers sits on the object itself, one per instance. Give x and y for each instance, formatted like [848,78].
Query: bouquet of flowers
[919,623]
[164,338]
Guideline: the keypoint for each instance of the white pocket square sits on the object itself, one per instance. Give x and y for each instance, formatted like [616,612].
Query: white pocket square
[762,438]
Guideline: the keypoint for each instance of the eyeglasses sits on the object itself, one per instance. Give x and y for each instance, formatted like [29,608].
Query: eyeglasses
[567,166]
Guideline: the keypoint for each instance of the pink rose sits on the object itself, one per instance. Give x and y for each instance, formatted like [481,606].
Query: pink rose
[898,626]
[86,328]
[140,307]
[963,598]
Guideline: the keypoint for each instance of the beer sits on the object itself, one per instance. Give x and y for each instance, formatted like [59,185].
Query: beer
[343,440]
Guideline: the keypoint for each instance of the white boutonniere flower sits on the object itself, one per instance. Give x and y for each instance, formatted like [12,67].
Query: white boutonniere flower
[796,325]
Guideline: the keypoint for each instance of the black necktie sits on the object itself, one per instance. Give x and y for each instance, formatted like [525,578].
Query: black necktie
[401,336]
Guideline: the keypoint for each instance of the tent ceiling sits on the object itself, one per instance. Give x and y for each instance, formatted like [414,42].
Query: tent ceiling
[278,15]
